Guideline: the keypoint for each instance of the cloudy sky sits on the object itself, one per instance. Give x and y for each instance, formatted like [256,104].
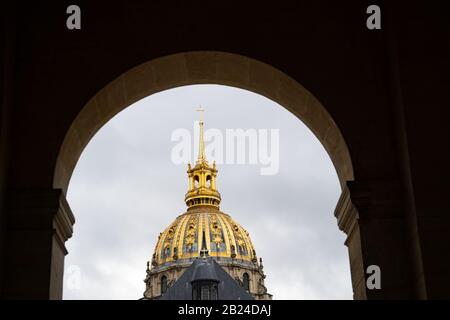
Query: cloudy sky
[126,189]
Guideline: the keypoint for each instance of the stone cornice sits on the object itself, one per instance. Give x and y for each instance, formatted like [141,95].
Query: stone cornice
[41,209]
[345,212]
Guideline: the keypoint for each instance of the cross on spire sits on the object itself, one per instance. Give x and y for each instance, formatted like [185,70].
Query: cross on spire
[201,110]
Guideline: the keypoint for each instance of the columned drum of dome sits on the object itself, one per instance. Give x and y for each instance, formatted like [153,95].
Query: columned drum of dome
[227,242]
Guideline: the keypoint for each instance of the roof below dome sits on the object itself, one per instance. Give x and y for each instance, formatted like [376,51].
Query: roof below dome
[204,270]
[228,288]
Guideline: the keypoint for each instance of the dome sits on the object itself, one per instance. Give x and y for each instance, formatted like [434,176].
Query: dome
[225,239]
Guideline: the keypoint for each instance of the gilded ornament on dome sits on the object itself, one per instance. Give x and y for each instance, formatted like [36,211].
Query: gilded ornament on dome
[216,230]
[190,235]
[170,233]
[189,240]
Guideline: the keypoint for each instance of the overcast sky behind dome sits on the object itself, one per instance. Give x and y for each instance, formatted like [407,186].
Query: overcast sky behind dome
[125,190]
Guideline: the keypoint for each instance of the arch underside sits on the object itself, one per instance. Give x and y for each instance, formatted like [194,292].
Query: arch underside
[204,67]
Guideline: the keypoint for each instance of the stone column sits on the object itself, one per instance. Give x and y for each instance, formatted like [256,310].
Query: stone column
[371,214]
[38,224]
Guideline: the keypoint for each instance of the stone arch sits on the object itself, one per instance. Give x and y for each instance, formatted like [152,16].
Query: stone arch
[208,181]
[211,67]
[200,67]
[196,181]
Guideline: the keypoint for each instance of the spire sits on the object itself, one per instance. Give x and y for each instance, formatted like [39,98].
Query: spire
[202,177]
[201,147]
[204,251]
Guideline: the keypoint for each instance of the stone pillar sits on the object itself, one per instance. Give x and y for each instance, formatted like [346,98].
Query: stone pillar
[371,214]
[434,234]
[38,224]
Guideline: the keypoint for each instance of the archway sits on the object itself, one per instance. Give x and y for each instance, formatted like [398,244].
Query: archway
[201,68]
[129,183]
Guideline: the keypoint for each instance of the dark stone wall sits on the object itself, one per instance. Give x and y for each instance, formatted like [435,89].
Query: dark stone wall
[387,90]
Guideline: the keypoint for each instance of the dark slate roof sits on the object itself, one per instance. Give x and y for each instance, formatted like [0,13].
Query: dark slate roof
[206,269]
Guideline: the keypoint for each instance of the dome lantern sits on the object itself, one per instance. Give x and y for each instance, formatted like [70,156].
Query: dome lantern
[202,189]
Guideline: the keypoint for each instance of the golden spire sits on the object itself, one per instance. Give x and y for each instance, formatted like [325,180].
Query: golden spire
[202,178]
[201,147]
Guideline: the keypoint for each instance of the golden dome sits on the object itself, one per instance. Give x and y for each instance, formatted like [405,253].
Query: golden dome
[225,239]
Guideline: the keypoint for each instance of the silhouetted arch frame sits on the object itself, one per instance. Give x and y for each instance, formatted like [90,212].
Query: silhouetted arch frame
[200,67]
